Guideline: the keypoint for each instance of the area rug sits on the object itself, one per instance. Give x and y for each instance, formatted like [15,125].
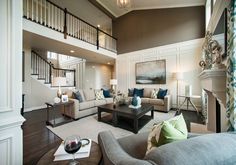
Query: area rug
[89,127]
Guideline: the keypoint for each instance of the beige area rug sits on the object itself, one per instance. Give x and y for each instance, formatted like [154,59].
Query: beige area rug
[89,127]
[199,128]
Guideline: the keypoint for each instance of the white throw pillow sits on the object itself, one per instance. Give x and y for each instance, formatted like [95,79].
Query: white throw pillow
[99,95]
[154,94]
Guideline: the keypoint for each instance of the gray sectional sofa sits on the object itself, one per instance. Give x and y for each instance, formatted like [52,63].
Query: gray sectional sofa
[88,106]
[210,149]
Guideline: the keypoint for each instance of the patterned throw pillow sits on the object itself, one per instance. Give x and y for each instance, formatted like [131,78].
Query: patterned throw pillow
[166,132]
[154,94]
[99,95]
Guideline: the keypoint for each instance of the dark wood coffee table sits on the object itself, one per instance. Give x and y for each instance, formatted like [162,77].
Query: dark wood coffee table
[120,114]
[93,159]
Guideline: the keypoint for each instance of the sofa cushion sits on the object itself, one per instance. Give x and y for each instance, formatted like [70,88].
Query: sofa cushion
[147,92]
[69,93]
[156,101]
[162,93]
[154,93]
[210,149]
[100,102]
[109,100]
[86,105]
[99,95]
[138,92]
[89,94]
[145,100]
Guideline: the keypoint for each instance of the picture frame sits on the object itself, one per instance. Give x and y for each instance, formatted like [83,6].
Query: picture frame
[64,98]
[151,72]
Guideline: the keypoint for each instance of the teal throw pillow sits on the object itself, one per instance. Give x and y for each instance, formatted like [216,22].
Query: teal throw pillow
[106,93]
[138,92]
[162,93]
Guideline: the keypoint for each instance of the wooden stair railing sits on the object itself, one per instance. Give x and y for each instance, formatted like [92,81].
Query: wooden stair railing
[49,14]
[46,71]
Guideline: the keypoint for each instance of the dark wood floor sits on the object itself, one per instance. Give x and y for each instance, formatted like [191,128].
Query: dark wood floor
[37,139]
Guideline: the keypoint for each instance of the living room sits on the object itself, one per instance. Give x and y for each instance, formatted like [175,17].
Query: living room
[133,70]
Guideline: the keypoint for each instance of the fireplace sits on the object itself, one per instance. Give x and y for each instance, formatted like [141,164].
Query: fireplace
[214,84]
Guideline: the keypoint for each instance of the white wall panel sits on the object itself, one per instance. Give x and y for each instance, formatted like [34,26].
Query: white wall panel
[183,56]
[11,86]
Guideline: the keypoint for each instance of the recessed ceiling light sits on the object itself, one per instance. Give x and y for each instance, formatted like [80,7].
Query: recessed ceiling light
[98,26]
[108,63]
[72,51]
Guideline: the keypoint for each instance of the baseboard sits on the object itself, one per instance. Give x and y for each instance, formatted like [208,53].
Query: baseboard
[35,108]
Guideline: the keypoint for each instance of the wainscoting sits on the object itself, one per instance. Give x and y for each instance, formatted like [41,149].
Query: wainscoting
[183,56]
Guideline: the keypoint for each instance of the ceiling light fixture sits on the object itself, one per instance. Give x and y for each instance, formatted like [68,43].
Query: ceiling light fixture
[124,3]
[108,63]
[72,51]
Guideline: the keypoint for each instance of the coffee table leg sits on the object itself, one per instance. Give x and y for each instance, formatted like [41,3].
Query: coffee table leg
[114,119]
[99,115]
[152,114]
[135,125]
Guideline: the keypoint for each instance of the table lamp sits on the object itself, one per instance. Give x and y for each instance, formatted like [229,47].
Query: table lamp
[113,83]
[59,81]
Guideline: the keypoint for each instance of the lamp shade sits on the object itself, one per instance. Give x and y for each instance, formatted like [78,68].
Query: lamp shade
[113,82]
[179,76]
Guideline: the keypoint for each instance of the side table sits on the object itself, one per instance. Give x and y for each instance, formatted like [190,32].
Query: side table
[93,159]
[188,99]
[52,120]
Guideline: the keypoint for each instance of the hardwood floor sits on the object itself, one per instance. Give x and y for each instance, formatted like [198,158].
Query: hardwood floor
[37,139]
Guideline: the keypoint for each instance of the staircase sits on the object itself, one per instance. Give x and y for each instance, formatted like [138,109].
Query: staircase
[47,74]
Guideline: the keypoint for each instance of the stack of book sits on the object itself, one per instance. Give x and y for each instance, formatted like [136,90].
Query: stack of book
[83,152]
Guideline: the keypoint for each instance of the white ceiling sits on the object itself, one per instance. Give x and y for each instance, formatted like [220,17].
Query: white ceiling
[112,7]
[43,44]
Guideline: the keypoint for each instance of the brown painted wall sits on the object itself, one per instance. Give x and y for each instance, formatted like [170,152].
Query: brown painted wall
[143,29]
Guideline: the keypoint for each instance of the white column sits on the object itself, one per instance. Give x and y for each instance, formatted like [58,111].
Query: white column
[11,151]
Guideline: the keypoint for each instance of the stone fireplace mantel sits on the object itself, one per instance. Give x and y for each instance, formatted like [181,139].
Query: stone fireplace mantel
[214,81]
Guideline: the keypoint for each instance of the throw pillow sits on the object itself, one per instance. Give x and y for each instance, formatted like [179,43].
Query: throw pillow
[131,92]
[166,132]
[162,93]
[106,93]
[77,95]
[154,94]
[138,92]
[99,95]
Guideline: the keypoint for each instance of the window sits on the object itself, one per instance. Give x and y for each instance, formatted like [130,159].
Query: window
[51,55]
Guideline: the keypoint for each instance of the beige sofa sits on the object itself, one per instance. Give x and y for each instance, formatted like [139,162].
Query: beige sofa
[88,106]
[159,104]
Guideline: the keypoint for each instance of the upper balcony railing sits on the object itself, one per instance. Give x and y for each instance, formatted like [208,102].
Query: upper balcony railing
[53,16]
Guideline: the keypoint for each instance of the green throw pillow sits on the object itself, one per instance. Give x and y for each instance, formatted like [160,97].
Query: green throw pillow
[173,130]
[166,132]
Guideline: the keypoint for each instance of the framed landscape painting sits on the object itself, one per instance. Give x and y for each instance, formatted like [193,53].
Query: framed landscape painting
[151,72]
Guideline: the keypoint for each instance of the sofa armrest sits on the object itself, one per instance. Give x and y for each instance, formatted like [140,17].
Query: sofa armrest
[112,152]
[75,109]
[167,102]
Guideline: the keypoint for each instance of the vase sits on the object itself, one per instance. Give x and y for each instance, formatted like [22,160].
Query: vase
[134,101]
